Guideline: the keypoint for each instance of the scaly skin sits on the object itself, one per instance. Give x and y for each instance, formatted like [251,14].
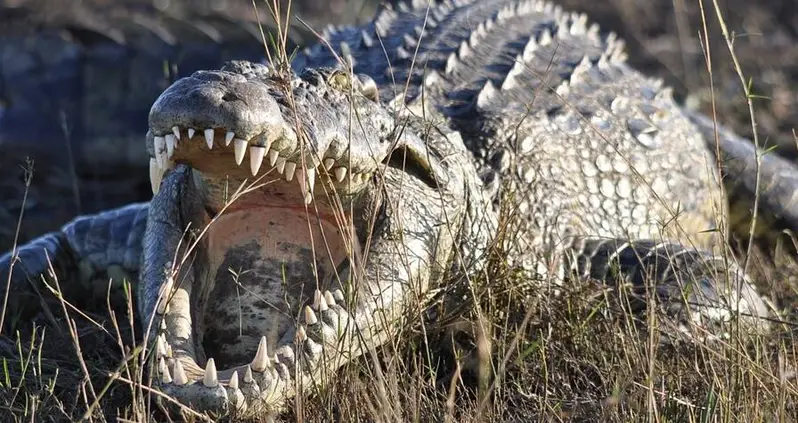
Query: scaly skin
[77,81]
[280,285]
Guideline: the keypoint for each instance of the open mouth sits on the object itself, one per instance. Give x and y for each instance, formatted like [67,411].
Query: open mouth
[263,256]
[213,151]
[267,266]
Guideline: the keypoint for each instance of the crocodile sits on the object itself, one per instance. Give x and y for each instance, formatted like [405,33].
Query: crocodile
[303,212]
[78,78]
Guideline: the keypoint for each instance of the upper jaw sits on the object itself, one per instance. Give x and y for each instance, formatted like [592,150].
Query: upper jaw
[221,113]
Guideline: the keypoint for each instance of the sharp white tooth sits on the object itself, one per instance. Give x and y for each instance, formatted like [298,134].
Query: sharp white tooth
[310,316]
[323,304]
[156,175]
[210,379]
[256,158]
[273,156]
[191,133]
[301,334]
[161,345]
[163,302]
[311,176]
[340,174]
[165,376]
[328,163]
[159,145]
[261,361]
[240,150]
[308,198]
[248,375]
[171,142]
[338,295]
[233,383]
[209,138]
[228,137]
[290,167]
[180,374]
[176,131]
[328,297]
[168,350]
[317,295]
[280,165]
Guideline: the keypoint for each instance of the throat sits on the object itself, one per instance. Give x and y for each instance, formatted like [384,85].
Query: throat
[262,263]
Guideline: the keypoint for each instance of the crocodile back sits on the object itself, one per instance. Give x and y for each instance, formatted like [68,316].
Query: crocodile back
[550,110]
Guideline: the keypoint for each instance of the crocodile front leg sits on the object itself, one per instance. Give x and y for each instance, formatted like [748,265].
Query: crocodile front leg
[692,286]
[84,255]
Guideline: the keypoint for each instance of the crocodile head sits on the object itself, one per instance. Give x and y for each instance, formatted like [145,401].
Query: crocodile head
[278,180]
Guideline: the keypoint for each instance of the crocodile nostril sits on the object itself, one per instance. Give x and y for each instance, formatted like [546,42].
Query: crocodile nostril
[230,97]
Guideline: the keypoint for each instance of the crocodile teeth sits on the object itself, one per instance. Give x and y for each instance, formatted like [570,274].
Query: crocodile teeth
[290,167]
[338,295]
[273,156]
[159,145]
[228,137]
[165,376]
[280,165]
[233,383]
[328,298]
[261,360]
[340,174]
[319,302]
[328,163]
[180,374]
[256,158]
[310,316]
[311,177]
[240,150]
[210,379]
[301,334]
[163,303]
[160,345]
[171,143]
[176,131]
[209,138]
[156,175]
[308,198]
[191,133]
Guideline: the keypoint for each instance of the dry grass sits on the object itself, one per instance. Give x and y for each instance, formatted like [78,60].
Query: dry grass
[496,348]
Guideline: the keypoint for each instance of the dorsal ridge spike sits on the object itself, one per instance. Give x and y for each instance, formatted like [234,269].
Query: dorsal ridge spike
[366,40]
[530,48]
[485,95]
[578,24]
[545,37]
[402,53]
[431,78]
[409,41]
[451,63]
[463,50]
[563,89]
[594,31]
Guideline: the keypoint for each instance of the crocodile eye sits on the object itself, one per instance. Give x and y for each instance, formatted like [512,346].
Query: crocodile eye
[341,81]
[368,88]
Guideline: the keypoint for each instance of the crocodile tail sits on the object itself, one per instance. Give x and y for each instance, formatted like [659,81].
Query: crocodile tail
[777,209]
[85,254]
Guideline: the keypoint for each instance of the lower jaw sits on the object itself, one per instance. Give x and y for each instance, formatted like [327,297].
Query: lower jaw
[262,264]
